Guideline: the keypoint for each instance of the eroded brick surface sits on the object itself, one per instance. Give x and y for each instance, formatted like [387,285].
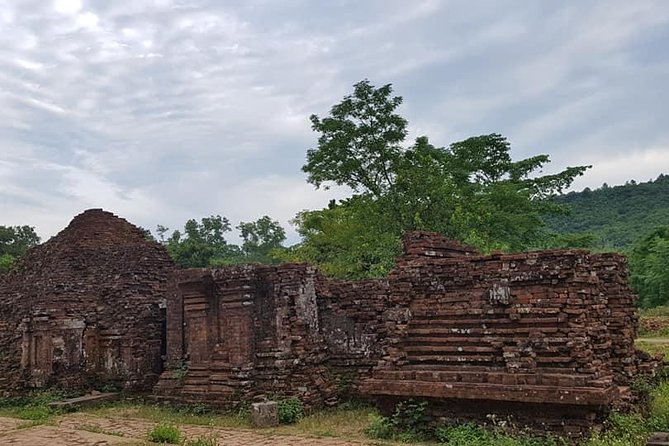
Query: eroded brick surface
[82,309]
[548,332]
[540,330]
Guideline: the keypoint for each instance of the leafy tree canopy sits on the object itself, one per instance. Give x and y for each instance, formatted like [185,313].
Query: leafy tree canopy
[203,243]
[14,242]
[261,238]
[471,190]
[648,264]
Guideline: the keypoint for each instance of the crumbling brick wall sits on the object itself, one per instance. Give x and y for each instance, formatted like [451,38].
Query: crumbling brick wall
[548,331]
[548,328]
[83,309]
[242,333]
[353,328]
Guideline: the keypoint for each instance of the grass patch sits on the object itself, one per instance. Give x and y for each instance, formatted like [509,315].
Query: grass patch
[473,435]
[194,415]
[662,311]
[345,422]
[165,433]
[653,347]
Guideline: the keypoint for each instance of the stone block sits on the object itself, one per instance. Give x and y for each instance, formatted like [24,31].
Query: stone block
[265,414]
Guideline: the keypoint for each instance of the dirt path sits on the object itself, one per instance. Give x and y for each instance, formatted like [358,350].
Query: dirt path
[88,430]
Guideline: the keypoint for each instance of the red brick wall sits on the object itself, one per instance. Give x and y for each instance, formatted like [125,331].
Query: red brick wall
[82,310]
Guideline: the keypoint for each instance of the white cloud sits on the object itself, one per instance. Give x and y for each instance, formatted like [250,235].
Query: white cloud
[167,110]
[67,6]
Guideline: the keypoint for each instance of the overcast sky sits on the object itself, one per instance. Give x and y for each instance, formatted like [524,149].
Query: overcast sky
[164,110]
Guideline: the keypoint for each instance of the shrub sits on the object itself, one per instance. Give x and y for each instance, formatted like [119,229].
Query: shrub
[464,434]
[165,433]
[379,427]
[410,417]
[290,410]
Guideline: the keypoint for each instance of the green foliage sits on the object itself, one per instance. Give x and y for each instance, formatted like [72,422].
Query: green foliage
[349,239]
[473,435]
[203,244]
[14,242]
[165,433]
[34,413]
[360,142]
[6,262]
[379,427]
[615,216]
[290,410]
[648,267]
[408,423]
[410,417]
[200,243]
[470,191]
[261,238]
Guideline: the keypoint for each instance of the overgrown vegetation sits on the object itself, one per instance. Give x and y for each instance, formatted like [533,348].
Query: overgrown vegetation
[165,433]
[470,191]
[33,406]
[290,410]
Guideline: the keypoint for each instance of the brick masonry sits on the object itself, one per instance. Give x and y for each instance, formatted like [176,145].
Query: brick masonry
[550,330]
[83,309]
[547,332]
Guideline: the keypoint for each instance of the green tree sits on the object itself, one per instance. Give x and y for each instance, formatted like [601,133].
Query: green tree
[360,142]
[470,191]
[201,243]
[262,238]
[14,242]
[649,275]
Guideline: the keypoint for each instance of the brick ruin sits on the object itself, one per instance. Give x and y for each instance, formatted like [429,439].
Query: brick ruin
[547,336]
[83,309]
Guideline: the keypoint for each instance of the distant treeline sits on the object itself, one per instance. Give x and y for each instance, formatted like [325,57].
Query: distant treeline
[615,217]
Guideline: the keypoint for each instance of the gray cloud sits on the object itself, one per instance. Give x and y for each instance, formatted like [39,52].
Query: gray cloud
[165,110]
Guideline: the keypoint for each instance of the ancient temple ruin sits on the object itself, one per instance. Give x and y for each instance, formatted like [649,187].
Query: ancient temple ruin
[83,310]
[546,337]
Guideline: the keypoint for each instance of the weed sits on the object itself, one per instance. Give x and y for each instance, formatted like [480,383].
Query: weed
[379,427]
[34,413]
[290,410]
[410,417]
[165,433]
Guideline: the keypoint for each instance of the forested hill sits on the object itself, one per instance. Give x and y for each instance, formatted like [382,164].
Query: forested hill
[616,216]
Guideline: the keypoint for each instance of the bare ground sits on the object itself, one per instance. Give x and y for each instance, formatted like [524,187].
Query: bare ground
[86,429]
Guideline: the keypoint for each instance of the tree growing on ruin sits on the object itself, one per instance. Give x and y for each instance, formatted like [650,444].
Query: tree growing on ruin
[471,190]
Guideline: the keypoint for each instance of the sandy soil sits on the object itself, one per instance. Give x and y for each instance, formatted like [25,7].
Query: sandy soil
[84,429]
